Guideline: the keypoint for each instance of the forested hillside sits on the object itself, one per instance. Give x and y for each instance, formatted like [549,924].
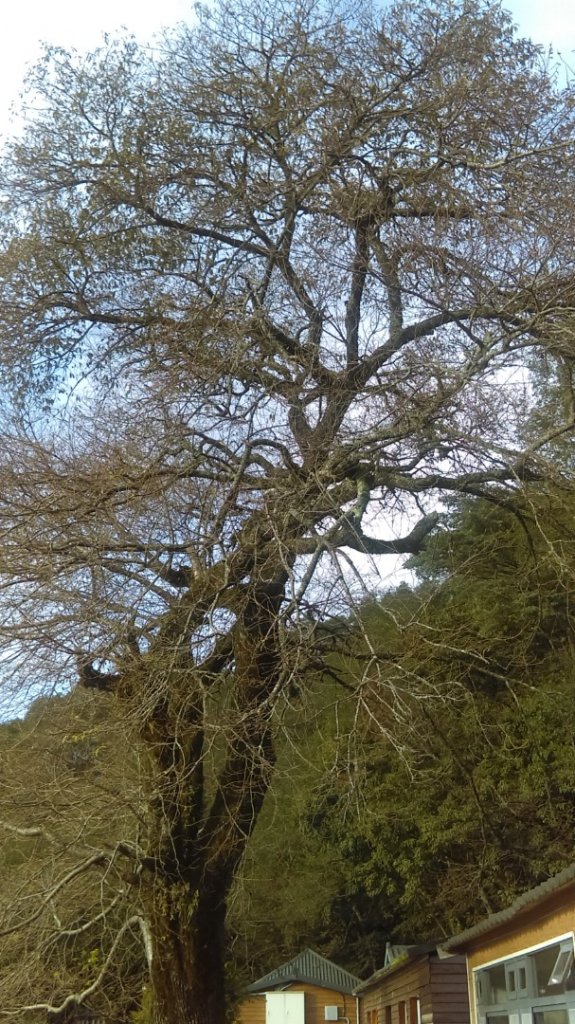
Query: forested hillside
[454,790]
[64,768]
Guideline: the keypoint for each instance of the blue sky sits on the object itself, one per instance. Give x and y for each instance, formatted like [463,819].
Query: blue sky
[69,23]
[551,22]
[73,24]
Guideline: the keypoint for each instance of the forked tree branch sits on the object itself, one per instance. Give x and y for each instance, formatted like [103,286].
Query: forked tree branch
[77,998]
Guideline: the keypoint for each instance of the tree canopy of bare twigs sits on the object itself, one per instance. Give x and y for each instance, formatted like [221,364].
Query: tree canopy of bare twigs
[69,827]
[285,274]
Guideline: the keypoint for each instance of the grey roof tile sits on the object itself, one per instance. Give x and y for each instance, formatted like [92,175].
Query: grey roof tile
[309,967]
[527,900]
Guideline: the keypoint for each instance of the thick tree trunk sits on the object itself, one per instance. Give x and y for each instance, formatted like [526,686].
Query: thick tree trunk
[199,843]
[187,974]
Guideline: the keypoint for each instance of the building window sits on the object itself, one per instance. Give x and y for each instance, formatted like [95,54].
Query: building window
[415,1012]
[387,1013]
[537,987]
[549,1016]
[401,1012]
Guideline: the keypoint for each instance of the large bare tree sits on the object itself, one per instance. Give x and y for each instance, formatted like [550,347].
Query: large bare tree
[285,273]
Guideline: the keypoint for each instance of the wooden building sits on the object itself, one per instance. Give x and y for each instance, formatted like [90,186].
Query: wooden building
[306,990]
[417,985]
[520,961]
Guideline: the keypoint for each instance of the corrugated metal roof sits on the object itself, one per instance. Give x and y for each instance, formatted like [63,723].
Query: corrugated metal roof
[528,899]
[404,955]
[309,967]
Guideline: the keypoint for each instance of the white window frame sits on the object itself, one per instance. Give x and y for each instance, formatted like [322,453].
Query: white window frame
[558,975]
[515,1006]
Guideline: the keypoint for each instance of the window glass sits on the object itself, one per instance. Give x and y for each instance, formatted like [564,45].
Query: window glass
[537,987]
[553,968]
[491,988]
[551,1015]
[563,966]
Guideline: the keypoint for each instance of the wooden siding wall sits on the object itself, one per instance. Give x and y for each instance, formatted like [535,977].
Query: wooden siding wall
[440,986]
[380,1004]
[252,1010]
[449,996]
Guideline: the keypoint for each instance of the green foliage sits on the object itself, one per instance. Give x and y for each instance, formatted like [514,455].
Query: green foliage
[144,1013]
[469,768]
[289,877]
[458,794]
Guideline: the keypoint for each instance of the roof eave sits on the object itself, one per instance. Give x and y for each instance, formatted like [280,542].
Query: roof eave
[279,983]
[417,954]
[541,894]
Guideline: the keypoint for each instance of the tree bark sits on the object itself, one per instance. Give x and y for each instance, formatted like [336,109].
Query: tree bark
[198,843]
[187,972]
